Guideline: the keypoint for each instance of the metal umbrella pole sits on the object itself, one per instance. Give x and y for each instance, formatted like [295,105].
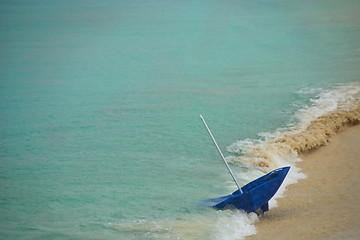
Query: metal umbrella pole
[222,156]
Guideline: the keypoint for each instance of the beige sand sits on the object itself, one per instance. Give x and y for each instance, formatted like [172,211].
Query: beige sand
[326,204]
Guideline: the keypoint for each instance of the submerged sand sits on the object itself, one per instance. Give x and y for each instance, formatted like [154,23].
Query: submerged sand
[325,204]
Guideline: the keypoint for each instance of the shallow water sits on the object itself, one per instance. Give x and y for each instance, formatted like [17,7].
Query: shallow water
[100,130]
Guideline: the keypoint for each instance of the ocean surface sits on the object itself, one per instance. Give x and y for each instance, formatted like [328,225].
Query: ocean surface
[100,135]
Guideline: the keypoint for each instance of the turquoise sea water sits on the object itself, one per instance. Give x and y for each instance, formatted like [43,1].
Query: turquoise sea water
[100,135]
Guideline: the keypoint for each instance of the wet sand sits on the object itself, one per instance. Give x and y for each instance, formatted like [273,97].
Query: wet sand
[325,205]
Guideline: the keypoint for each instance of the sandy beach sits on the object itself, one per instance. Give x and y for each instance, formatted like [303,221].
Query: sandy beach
[325,204]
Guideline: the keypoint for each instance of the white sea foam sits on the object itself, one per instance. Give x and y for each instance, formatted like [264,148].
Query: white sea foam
[222,225]
[344,98]
[234,225]
[316,123]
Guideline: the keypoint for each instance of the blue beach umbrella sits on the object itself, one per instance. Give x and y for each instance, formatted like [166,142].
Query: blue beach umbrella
[254,196]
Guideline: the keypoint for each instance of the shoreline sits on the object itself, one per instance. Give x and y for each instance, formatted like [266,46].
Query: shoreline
[324,205]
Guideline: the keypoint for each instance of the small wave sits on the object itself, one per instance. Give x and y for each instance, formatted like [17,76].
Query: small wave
[330,111]
[316,123]
[224,225]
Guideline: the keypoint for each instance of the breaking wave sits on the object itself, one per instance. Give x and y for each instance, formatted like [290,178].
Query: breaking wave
[315,124]
[329,111]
